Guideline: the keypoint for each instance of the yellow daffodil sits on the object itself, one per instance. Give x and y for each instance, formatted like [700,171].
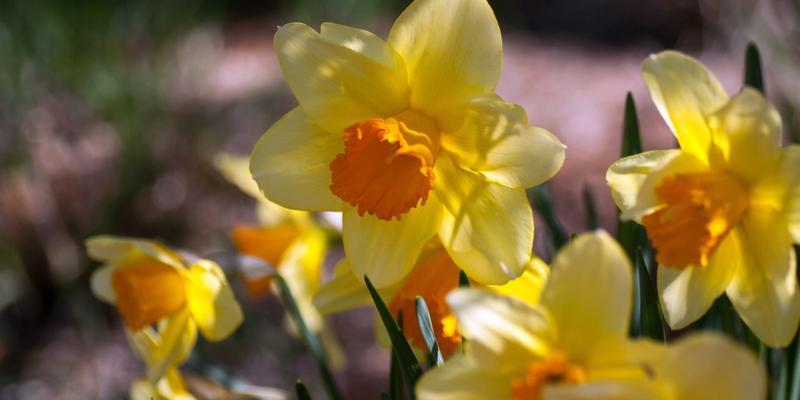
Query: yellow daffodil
[434,275]
[574,344]
[287,241]
[170,387]
[163,298]
[723,210]
[407,138]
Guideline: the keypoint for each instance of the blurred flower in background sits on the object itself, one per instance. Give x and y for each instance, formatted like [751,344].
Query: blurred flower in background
[111,115]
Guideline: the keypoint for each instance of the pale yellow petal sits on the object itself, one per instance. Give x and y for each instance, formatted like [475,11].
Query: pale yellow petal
[343,292]
[603,390]
[672,163]
[462,379]
[387,250]
[487,228]
[335,85]
[781,189]
[452,49]
[236,169]
[126,251]
[173,344]
[101,283]
[626,176]
[496,141]
[503,332]
[291,163]
[589,290]
[687,293]
[705,366]
[746,136]
[764,290]
[211,301]
[685,93]
[528,286]
[363,42]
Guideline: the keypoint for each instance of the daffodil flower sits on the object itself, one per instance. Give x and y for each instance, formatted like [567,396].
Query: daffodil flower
[163,300]
[288,242]
[723,210]
[434,275]
[170,387]
[574,344]
[407,138]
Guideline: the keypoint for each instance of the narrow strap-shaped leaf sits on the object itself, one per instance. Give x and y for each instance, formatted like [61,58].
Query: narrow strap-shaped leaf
[648,320]
[428,334]
[301,391]
[631,137]
[591,208]
[753,76]
[408,364]
[795,376]
[395,379]
[543,204]
[310,338]
[463,279]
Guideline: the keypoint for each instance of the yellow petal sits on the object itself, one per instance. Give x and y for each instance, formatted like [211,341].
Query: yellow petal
[589,290]
[461,379]
[626,176]
[503,332]
[343,292]
[170,387]
[746,135]
[685,93]
[528,286]
[781,189]
[687,293]
[764,289]
[496,141]
[127,251]
[487,228]
[607,390]
[301,268]
[672,163]
[291,163]
[705,366]
[172,345]
[211,301]
[387,250]
[452,49]
[360,41]
[335,85]
[101,283]
[236,169]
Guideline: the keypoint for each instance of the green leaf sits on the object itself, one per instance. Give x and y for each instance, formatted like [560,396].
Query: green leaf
[591,208]
[463,279]
[385,396]
[408,364]
[428,334]
[631,138]
[543,204]
[301,391]
[753,76]
[795,353]
[648,320]
[312,342]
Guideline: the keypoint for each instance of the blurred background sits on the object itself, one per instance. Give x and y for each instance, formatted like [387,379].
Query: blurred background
[112,111]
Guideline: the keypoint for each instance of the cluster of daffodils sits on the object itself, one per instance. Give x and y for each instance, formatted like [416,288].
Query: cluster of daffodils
[428,167]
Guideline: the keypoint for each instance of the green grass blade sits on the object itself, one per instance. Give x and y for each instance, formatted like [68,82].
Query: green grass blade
[310,338]
[543,204]
[591,208]
[753,76]
[301,391]
[426,327]
[648,320]
[631,136]
[463,279]
[795,384]
[408,364]
[395,379]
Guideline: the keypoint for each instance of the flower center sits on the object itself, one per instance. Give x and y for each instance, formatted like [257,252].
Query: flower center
[268,244]
[700,209]
[387,165]
[555,369]
[147,292]
[432,280]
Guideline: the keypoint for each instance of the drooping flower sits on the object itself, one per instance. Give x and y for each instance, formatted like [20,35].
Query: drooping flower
[574,344]
[723,210]
[289,242]
[434,275]
[407,138]
[163,298]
